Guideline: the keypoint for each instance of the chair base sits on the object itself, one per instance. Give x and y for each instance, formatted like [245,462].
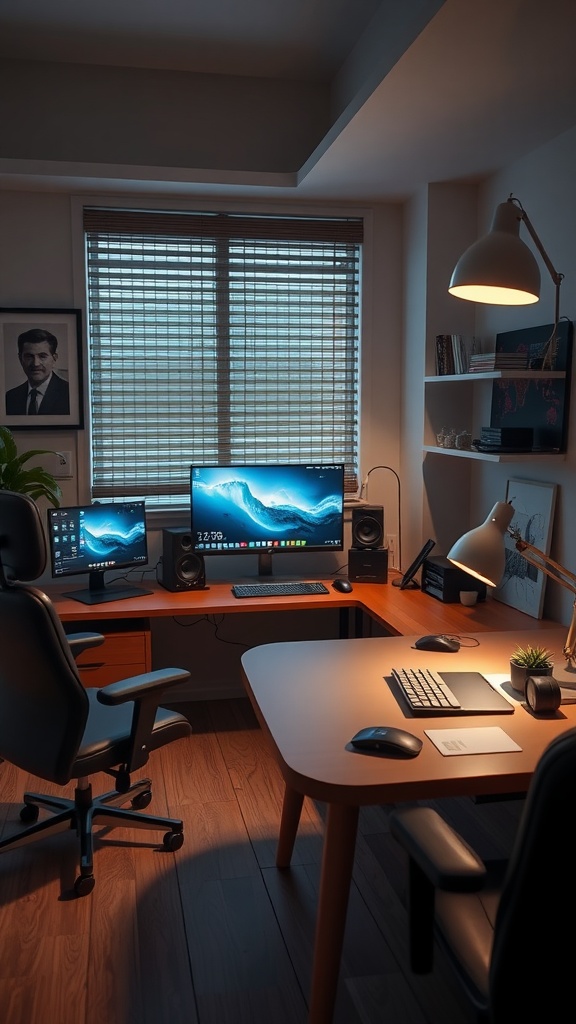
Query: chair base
[82,813]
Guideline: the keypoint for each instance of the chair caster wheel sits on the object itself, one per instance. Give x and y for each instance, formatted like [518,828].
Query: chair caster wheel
[84,885]
[142,800]
[29,813]
[173,841]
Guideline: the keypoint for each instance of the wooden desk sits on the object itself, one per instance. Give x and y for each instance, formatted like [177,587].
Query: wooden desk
[311,697]
[400,612]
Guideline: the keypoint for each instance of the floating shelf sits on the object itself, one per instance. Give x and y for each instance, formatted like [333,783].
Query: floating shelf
[460,453]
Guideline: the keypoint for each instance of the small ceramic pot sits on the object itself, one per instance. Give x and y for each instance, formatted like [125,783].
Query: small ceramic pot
[520,673]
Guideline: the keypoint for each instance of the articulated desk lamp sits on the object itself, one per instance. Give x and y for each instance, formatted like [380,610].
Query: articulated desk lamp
[500,269]
[481,553]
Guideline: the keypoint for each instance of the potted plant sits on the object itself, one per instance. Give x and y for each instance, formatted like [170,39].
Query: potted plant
[14,476]
[529,661]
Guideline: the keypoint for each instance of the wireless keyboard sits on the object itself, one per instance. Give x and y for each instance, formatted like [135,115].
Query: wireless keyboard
[277,589]
[425,691]
[450,693]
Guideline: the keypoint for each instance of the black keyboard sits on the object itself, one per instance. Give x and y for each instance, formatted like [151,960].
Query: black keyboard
[277,589]
[425,691]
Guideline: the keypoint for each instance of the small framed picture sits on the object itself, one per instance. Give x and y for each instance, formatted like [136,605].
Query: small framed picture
[41,369]
[523,585]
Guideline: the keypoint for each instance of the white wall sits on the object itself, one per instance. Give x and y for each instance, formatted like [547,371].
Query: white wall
[407,263]
[454,216]
[545,183]
[41,266]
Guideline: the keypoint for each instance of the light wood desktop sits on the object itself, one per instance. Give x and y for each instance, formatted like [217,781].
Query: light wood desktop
[311,697]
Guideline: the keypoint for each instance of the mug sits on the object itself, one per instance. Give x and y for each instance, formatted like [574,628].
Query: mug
[468,597]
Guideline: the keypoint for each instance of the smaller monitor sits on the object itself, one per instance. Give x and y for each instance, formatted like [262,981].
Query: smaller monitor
[99,538]
[407,580]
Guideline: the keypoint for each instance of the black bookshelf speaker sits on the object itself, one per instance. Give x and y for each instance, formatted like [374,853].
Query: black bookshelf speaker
[368,565]
[368,526]
[181,567]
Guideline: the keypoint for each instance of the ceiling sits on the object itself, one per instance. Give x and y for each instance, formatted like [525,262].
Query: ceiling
[417,90]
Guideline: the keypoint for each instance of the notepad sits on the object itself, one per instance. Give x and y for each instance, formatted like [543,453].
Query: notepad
[482,740]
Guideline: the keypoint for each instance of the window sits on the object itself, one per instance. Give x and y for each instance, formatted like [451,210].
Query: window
[219,338]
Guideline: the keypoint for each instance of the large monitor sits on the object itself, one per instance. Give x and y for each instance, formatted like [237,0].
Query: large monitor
[94,539]
[267,510]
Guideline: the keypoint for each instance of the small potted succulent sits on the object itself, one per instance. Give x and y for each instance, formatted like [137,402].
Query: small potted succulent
[529,661]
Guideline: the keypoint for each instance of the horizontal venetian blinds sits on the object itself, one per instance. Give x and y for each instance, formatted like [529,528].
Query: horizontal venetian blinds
[217,338]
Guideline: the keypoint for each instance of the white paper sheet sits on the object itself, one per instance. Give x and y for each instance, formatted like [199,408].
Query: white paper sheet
[480,740]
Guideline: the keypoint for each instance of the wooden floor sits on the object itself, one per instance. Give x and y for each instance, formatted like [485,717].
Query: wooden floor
[214,934]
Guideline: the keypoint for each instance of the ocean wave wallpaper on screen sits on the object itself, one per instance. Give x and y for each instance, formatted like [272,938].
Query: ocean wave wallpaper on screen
[261,506]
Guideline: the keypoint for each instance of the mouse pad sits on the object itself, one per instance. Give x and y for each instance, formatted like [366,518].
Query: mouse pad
[475,694]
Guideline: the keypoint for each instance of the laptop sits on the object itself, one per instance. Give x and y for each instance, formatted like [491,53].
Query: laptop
[475,695]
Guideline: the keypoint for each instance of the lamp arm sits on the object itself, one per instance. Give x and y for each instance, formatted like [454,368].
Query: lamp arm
[550,350]
[556,572]
[554,274]
[542,561]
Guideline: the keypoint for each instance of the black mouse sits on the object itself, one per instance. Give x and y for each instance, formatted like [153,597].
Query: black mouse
[344,586]
[383,739]
[447,644]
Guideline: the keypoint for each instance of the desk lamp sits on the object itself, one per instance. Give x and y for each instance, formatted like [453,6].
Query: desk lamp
[481,553]
[500,269]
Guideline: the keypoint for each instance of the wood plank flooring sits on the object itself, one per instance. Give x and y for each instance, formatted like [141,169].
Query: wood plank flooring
[214,934]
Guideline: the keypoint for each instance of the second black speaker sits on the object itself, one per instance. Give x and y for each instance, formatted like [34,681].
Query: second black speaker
[181,567]
[368,526]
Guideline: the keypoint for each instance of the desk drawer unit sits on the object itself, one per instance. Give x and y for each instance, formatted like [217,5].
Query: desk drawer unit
[123,653]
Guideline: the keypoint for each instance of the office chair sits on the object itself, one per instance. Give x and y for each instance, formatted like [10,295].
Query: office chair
[54,728]
[509,938]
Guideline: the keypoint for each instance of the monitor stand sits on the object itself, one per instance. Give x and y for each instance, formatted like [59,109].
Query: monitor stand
[99,593]
[265,563]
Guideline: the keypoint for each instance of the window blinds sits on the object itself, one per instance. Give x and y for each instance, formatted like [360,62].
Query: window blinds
[217,338]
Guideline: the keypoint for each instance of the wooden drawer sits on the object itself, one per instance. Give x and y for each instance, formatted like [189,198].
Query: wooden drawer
[121,655]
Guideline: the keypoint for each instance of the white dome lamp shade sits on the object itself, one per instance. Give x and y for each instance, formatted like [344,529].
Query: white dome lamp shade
[499,268]
[480,552]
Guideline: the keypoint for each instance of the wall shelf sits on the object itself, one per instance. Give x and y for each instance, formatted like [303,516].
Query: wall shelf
[447,378]
[459,453]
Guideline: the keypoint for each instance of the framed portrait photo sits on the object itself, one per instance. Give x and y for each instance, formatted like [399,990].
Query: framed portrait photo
[41,369]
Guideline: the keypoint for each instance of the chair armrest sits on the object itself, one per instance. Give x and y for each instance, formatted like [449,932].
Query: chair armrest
[442,855]
[146,692]
[82,641]
[146,686]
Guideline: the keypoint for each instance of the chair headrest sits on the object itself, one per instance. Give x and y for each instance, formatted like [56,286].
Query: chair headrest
[22,540]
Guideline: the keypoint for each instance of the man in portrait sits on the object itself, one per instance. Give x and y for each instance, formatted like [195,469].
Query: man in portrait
[44,392]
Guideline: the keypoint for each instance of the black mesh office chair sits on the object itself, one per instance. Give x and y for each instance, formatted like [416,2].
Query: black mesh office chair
[510,941]
[53,728]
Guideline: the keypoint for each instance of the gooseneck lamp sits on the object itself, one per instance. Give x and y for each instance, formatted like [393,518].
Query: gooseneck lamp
[481,552]
[500,269]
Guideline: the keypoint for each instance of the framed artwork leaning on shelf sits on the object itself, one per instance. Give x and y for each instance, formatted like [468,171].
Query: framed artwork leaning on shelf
[523,585]
[542,403]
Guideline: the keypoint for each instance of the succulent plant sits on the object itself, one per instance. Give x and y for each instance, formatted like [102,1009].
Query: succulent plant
[36,482]
[532,657]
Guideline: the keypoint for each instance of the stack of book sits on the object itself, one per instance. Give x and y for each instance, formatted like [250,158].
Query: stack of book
[484,362]
[505,439]
[450,354]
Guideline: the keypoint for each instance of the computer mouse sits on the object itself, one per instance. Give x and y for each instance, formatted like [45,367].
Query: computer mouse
[344,586]
[447,644]
[383,739]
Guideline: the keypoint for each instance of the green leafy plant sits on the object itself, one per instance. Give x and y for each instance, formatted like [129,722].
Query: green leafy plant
[532,657]
[14,476]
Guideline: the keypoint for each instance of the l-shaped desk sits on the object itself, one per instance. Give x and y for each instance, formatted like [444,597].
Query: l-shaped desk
[312,696]
[399,612]
[126,624]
